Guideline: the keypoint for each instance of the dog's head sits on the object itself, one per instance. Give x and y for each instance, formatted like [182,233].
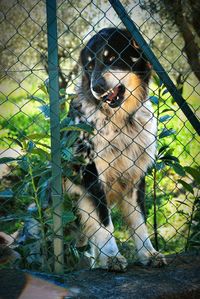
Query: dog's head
[114,67]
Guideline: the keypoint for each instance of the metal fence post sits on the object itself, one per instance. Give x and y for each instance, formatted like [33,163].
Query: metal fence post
[55,135]
[131,27]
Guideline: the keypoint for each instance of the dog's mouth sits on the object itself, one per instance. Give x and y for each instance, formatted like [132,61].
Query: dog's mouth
[115,96]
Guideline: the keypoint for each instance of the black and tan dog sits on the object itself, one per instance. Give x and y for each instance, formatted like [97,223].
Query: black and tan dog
[112,97]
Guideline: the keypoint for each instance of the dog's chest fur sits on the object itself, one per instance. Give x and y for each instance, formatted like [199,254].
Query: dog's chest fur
[123,146]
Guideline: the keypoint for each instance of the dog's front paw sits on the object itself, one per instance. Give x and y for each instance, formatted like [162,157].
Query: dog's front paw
[157,259]
[116,263]
[154,258]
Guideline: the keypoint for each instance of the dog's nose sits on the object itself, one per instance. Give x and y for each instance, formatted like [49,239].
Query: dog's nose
[99,86]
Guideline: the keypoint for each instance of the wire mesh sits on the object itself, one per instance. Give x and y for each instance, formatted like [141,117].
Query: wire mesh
[28,237]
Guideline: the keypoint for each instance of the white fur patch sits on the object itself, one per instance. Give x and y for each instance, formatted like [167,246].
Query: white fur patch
[134,59]
[134,217]
[115,77]
[106,52]
[95,94]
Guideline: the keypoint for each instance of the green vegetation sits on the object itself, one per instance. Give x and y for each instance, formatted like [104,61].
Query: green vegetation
[25,191]
[172,200]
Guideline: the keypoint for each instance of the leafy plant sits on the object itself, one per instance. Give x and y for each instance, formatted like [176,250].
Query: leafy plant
[193,234]
[165,160]
[33,185]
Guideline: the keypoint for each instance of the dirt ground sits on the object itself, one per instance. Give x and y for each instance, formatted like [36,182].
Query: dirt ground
[180,279]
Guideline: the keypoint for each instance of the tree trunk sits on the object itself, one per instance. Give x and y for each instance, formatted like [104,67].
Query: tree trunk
[195,15]
[191,48]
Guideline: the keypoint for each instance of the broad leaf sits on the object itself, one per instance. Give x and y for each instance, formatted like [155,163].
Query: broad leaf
[41,152]
[7,193]
[34,98]
[165,91]
[68,217]
[178,169]
[186,186]
[168,110]
[24,164]
[15,141]
[30,146]
[71,138]
[41,172]
[37,136]
[43,191]
[164,118]
[43,88]
[166,132]
[45,109]
[5,160]
[42,144]
[62,91]
[67,154]
[195,173]
[169,158]
[154,100]
[162,149]
[159,165]
[66,122]
[157,81]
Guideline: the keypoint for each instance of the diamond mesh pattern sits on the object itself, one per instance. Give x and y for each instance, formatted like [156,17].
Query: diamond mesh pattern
[171,195]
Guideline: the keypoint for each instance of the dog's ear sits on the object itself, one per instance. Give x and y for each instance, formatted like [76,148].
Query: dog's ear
[81,56]
[134,44]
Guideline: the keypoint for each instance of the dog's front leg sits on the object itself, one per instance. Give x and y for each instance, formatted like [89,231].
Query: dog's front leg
[101,237]
[134,216]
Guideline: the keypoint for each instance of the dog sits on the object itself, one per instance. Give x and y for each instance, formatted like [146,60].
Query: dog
[112,98]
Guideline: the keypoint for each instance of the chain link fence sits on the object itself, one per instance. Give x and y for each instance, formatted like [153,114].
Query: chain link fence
[40,74]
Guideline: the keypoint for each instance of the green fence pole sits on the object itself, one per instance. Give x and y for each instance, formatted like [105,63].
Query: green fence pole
[131,27]
[56,192]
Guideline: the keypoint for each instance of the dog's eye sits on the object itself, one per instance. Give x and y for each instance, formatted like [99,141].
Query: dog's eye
[90,66]
[112,58]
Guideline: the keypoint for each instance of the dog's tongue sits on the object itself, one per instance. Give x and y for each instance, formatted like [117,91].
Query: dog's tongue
[113,94]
